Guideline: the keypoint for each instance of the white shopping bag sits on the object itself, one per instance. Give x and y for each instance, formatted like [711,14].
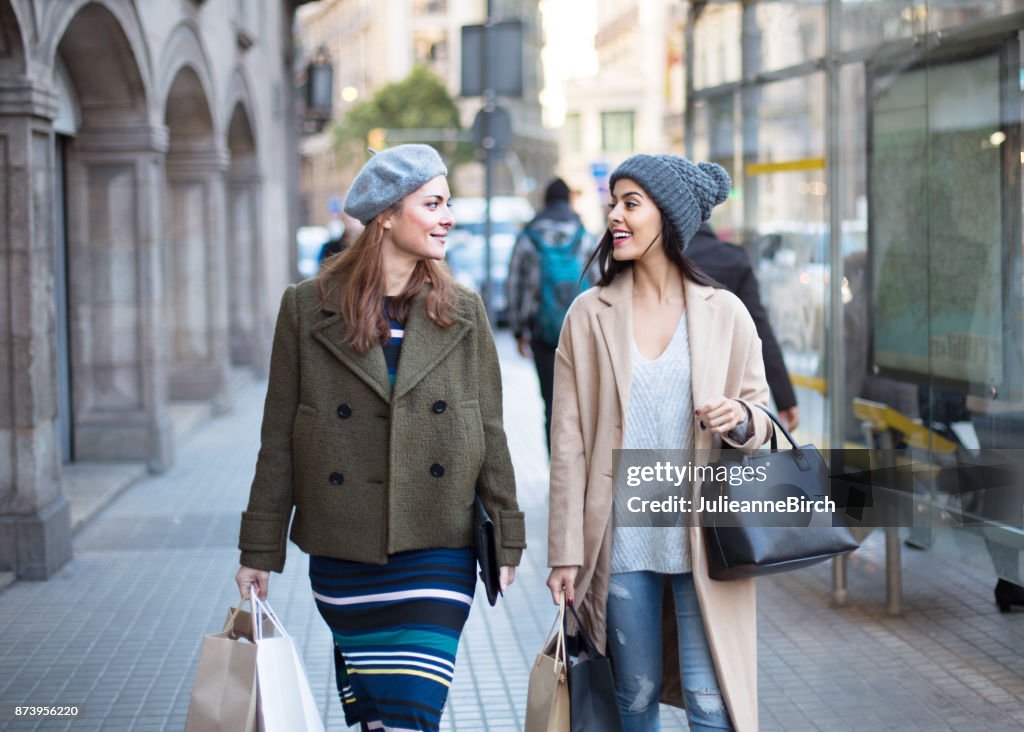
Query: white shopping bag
[285,701]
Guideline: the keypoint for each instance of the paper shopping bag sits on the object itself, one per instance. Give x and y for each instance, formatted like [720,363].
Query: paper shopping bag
[285,701]
[224,692]
[547,696]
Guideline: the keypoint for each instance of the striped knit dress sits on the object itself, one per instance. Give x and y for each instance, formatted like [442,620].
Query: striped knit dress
[396,626]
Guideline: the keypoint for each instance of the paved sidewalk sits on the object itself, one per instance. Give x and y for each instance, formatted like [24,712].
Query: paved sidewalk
[119,628]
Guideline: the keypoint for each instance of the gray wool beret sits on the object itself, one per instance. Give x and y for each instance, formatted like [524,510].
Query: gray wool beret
[685,192]
[388,177]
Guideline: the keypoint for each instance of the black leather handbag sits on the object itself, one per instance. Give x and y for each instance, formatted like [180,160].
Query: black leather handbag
[486,551]
[593,706]
[752,543]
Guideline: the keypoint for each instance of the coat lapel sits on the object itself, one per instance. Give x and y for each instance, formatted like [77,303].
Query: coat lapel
[425,345]
[702,323]
[616,324]
[370,367]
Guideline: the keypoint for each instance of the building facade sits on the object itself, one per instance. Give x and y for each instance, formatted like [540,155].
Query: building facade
[371,44]
[622,108]
[146,159]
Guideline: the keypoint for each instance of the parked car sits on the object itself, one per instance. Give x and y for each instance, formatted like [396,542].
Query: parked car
[465,251]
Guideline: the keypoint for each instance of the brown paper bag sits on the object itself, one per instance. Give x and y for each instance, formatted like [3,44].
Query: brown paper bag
[547,696]
[224,692]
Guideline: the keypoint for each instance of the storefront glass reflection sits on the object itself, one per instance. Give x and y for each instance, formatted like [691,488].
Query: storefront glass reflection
[927,116]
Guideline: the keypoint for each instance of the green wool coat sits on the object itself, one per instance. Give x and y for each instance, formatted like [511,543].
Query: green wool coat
[370,470]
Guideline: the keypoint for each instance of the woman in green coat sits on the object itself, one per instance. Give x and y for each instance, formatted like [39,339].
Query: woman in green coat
[382,423]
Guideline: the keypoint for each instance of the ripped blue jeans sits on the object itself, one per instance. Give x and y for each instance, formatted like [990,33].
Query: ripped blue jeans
[634,638]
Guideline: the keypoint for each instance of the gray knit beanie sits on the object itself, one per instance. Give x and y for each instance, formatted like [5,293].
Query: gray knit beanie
[388,177]
[685,192]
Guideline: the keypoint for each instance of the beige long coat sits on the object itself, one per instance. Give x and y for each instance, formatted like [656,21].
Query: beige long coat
[592,381]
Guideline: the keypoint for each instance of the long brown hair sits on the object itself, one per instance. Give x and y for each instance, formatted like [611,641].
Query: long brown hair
[354,282]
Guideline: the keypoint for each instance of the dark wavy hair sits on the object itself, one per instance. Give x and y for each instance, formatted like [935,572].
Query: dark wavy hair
[609,267]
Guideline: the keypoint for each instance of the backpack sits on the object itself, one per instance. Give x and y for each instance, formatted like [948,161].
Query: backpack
[560,275]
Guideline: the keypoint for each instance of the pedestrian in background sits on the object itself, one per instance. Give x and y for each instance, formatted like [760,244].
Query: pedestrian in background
[730,266]
[655,357]
[383,417]
[545,276]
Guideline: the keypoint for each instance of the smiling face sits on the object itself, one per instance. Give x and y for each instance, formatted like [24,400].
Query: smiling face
[419,228]
[634,221]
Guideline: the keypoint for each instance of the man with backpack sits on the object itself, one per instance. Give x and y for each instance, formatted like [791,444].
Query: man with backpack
[544,277]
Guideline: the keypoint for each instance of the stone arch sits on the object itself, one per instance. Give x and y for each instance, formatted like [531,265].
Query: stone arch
[196,254]
[104,48]
[188,115]
[241,138]
[12,42]
[245,191]
[184,51]
[239,93]
[113,170]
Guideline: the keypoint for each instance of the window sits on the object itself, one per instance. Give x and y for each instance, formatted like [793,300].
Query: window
[617,132]
[572,131]
[429,7]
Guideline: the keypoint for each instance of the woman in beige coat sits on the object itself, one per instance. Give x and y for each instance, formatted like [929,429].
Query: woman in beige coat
[687,380]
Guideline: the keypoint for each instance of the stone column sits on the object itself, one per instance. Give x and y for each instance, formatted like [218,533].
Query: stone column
[115,239]
[35,518]
[196,280]
[244,268]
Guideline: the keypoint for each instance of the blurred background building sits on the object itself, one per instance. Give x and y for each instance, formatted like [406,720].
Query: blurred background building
[373,44]
[146,214]
[621,107]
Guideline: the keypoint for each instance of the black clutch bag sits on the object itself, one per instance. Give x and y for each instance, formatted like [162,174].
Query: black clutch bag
[486,551]
[759,542]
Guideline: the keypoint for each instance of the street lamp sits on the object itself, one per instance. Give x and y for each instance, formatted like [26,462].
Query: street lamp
[319,88]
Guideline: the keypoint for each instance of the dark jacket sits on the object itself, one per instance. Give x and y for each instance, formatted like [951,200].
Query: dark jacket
[372,471]
[557,222]
[730,266]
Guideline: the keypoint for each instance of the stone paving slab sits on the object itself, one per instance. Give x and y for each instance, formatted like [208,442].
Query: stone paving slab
[91,487]
[119,629]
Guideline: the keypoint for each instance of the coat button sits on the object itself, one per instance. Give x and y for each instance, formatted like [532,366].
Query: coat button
[337,479]
[344,411]
[439,407]
[437,470]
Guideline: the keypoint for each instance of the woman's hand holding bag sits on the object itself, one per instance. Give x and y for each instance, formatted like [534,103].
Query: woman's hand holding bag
[547,698]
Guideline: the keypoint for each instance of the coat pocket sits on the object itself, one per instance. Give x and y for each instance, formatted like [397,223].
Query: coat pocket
[471,426]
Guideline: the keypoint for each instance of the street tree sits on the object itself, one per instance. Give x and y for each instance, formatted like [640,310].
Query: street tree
[420,102]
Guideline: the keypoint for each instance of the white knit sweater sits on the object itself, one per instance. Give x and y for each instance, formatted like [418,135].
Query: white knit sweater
[659,416]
